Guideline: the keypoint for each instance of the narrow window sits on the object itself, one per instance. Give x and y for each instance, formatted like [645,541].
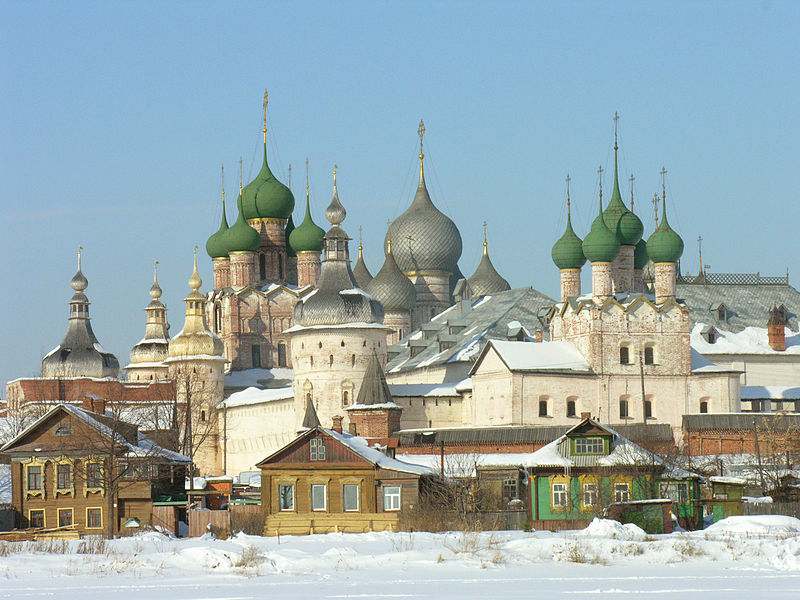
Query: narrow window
[570,408]
[34,478]
[262,266]
[559,494]
[281,354]
[622,492]
[649,355]
[648,409]
[255,352]
[94,518]
[202,416]
[589,494]
[64,477]
[624,355]
[350,497]
[317,449]
[345,399]
[703,407]
[311,359]
[353,360]
[391,497]
[318,496]
[286,497]
[342,344]
[510,490]
[64,517]
[542,408]
[36,519]
[623,409]
[330,360]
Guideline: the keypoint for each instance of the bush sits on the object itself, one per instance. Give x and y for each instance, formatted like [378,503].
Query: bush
[250,522]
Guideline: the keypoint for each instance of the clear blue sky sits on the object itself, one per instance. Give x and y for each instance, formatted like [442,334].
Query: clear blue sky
[117,116]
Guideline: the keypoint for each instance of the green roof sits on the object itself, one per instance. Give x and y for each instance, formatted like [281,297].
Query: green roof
[307,237]
[621,221]
[567,252]
[640,256]
[600,245]
[241,237]
[215,246]
[266,197]
[288,232]
[665,245]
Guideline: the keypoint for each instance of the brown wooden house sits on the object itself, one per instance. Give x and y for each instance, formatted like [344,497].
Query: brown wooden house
[87,472]
[325,481]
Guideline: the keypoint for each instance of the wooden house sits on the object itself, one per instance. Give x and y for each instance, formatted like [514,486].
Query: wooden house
[88,472]
[326,480]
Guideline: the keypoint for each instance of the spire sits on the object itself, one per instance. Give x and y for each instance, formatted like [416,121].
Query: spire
[615,194]
[700,254]
[79,282]
[485,243]
[421,133]
[266,102]
[194,281]
[374,389]
[631,179]
[155,290]
[600,176]
[335,211]
[310,418]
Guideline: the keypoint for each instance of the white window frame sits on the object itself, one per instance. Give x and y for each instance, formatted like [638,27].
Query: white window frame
[392,497]
[560,494]
[324,497]
[590,493]
[622,492]
[281,497]
[317,449]
[344,497]
[589,445]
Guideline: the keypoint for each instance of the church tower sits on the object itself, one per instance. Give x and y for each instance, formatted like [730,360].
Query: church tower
[567,254]
[148,356]
[601,247]
[486,281]
[196,365]
[665,248]
[396,294]
[307,241]
[337,328]
[426,246]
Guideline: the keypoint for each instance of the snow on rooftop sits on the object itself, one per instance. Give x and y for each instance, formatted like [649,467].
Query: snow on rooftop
[359,445]
[700,364]
[531,356]
[773,392]
[256,377]
[254,395]
[355,324]
[751,340]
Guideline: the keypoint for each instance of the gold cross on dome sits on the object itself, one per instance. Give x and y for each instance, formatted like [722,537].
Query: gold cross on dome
[421,133]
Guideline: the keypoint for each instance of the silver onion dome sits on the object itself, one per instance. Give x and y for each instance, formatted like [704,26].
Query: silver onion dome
[486,280]
[391,286]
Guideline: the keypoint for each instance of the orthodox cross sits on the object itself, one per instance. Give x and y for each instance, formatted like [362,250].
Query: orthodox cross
[290,176]
[421,133]
[631,179]
[485,242]
[223,187]
[266,101]
[655,208]
[240,175]
[663,183]
[335,167]
[700,253]
[616,120]
[568,201]
[306,176]
[600,173]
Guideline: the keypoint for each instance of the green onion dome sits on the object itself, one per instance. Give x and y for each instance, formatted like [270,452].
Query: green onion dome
[640,256]
[266,197]
[621,221]
[287,232]
[215,246]
[664,246]
[240,237]
[600,244]
[307,237]
[567,252]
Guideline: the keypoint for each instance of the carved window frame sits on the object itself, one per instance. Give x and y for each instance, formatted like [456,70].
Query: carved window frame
[70,489]
[35,462]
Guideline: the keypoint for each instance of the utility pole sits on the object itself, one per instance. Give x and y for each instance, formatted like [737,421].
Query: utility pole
[644,398]
[758,456]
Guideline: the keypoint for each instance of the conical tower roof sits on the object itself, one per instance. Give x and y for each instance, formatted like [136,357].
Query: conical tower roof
[391,286]
[486,280]
[361,272]
[310,418]
[425,238]
[664,245]
[374,389]
[79,354]
[622,222]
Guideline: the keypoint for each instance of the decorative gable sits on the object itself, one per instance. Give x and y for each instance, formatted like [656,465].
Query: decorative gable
[315,448]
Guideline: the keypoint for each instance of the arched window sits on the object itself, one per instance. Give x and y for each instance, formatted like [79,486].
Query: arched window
[342,344]
[648,409]
[330,360]
[320,344]
[281,354]
[262,266]
[704,405]
[542,406]
[571,407]
[345,399]
[353,360]
[623,407]
[649,354]
[624,354]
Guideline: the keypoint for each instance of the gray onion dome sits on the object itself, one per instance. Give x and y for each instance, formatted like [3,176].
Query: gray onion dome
[391,286]
[425,238]
[486,280]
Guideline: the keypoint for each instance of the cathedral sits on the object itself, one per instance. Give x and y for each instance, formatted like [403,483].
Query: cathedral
[290,324]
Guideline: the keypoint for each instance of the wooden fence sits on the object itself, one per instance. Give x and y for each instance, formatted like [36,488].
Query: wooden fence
[790,509]
[244,517]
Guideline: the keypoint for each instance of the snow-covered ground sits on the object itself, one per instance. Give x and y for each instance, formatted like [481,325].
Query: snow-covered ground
[741,557]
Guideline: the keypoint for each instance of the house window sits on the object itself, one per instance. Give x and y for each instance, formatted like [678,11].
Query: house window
[350,497]
[345,398]
[94,518]
[36,518]
[286,497]
[623,409]
[677,492]
[649,355]
[622,492]
[560,494]
[64,517]
[255,352]
[63,477]
[35,478]
[624,355]
[94,475]
[126,471]
[510,487]
[391,497]
[318,496]
[570,408]
[64,430]
[317,447]
[704,406]
[648,409]
[281,354]
[589,494]
[542,408]
[589,445]
[202,415]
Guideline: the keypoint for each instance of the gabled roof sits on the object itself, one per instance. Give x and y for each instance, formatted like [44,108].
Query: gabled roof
[545,357]
[473,323]
[355,444]
[741,422]
[125,434]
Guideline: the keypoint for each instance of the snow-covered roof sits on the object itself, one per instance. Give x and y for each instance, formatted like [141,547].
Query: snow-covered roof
[727,480]
[771,392]
[541,356]
[257,377]
[354,325]
[700,364]
[750,340]
[402,390]
[360,446]
[252,395]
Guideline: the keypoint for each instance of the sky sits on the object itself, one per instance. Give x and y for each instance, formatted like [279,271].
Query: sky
[117,117]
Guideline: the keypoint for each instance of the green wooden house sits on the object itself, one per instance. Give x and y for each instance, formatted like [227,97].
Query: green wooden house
[582,473]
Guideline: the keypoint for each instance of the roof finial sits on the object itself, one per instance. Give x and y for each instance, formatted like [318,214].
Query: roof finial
[194,281]
[568,200]
[631,179]
[155,290]
[266,101]
[485,242]
[79,283]
[290,177]
[307,185]
[421,133]
[655,207]
[600,173]
[80,249]
[664,193]
[240,176]
[360,240]
[389,243]
[700,253]
[335,167]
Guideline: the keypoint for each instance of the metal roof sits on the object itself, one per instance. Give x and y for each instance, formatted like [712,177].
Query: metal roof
[741,421]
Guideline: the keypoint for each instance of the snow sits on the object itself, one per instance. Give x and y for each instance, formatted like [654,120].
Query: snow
[751,340]
[545,356]
[381,406]
[199,484]
[256,377]
[773,392]
[358,292]
[727,480]
[607,560]
[359,445]
[353,325]
[172,359]
[402,390]
[700,364]
[252,395]
[5,484]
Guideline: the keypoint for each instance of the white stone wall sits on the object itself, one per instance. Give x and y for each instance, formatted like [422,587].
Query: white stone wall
[439,411]
[762,369]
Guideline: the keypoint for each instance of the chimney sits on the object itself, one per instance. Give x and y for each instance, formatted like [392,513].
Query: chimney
[776,329]
[94,404]
[538,336]
[353,430]
[337,424]
[586,415]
